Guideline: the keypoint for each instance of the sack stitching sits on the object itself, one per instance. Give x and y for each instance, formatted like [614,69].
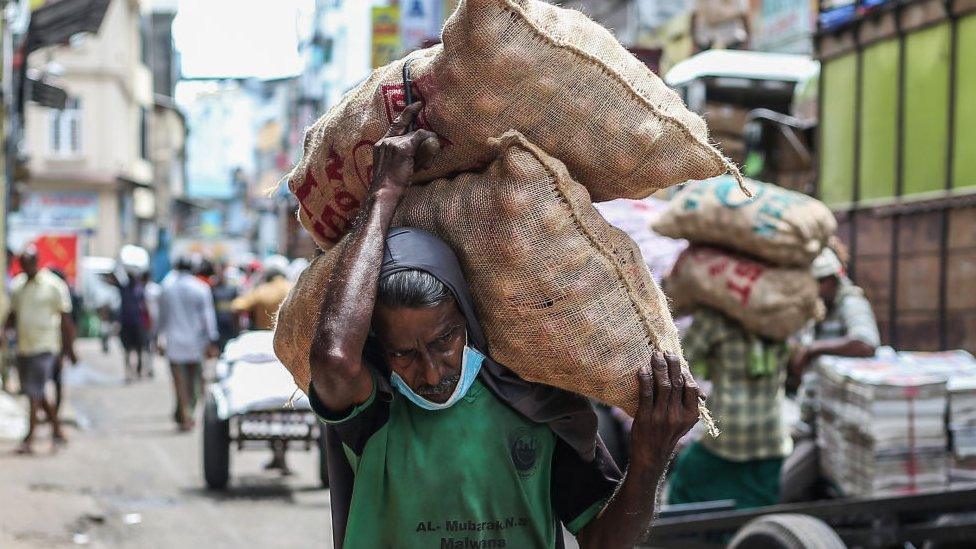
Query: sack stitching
[607,254]
[729,166]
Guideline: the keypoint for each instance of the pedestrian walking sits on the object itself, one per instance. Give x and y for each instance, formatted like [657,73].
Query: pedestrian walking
[188,325]
[152,292]
[58,375]
[134,321]
[224,293]
[133,326]
[41,316]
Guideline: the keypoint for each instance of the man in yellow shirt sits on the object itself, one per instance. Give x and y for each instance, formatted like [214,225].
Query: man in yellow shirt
[261,304]
[41,315]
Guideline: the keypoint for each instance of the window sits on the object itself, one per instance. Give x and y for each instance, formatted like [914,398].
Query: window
[66,129]
[144,133]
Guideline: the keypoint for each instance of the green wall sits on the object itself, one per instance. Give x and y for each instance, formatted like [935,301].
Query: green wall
[879,120]
[837,130]
[964,150]
[926,109]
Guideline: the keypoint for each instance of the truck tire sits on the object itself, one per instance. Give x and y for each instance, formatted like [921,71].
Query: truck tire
[786,531]
[216,447]
[323,458]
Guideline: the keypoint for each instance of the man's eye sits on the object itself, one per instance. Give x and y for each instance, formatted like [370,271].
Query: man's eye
[399,354]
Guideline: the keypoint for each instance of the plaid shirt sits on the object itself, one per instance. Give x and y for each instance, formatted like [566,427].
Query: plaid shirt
[747,375]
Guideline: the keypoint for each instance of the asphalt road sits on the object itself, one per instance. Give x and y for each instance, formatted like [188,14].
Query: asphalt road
[128,479]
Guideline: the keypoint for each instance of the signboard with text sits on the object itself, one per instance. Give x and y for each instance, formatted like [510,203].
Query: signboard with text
[57,211]
[420,21]
[782,26]
[386,35]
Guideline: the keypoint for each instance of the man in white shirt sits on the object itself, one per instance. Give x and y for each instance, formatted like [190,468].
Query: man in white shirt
[41,315]
[188,324]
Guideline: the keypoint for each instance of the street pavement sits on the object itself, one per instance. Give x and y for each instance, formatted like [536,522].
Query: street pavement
[128,479]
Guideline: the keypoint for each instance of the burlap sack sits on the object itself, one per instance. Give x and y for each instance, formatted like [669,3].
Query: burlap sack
[564,297]
[778,225]
[774,302]
[548,72]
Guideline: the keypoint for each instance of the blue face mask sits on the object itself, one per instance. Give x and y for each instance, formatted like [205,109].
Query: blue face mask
[471,362]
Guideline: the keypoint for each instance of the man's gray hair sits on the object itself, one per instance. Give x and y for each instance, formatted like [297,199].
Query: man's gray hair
[412,289]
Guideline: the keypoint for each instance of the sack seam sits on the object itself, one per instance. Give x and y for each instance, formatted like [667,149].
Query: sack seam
[729,166]
[546,163]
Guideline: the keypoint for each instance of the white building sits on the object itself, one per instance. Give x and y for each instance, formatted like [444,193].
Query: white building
[89,165]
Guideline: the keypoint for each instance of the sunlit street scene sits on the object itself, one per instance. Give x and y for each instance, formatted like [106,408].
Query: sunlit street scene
[461,274]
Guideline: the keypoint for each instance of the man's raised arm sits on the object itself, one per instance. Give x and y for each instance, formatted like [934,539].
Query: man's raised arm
[339,377]
[668,409]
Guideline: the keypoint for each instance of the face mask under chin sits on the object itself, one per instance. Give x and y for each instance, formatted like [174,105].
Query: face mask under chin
[471,361]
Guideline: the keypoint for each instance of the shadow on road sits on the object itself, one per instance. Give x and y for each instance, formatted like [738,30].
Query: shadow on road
[253,488]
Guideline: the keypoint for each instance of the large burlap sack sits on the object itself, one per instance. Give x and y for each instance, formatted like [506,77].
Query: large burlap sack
[564,297]
[774,302]
[548,72]
[778,225]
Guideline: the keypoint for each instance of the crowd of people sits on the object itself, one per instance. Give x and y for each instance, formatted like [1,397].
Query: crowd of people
[187,317]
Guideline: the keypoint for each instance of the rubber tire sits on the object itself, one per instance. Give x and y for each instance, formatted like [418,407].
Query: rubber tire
[216,447]
[323,458]
[786,531]
[800,475]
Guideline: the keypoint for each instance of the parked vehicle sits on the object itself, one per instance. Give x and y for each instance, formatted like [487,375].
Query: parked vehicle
[254,402]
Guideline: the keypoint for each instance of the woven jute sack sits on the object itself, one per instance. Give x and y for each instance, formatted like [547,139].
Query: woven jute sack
[778,225]
[548,72]
[564,297]
[774,302]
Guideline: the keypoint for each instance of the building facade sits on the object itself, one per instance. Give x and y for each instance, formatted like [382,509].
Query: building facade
[90,171]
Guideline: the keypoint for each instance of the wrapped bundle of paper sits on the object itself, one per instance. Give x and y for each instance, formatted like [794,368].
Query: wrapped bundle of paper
[882,425]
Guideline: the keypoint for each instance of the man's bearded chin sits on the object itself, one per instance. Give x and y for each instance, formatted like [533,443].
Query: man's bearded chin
[446,385]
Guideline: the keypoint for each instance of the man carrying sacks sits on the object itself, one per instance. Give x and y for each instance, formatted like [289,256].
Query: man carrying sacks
[433,443]
[744,308]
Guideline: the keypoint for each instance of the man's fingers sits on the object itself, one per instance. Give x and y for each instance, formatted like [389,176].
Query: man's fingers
[426,152]
[418,137]
[646,383]
[662,384]
[675,375]
[403,121]
[690,397]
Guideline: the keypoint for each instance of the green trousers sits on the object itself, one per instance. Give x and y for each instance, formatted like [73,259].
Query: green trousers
[700,475]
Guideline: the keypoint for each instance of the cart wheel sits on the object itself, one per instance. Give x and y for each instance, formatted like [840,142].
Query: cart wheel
[786,531]
[323,458]
[216,447]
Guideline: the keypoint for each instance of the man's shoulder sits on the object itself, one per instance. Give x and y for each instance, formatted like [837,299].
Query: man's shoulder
[51,279]
[850,292]
[44,279]
[18,282]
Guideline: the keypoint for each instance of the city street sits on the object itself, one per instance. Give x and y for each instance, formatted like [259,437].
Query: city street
[729,246]
[128,479]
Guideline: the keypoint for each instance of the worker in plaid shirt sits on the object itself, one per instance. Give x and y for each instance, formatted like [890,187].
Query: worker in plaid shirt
[747,373]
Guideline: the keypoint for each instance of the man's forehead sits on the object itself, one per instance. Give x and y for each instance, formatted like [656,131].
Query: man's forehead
[407,323]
